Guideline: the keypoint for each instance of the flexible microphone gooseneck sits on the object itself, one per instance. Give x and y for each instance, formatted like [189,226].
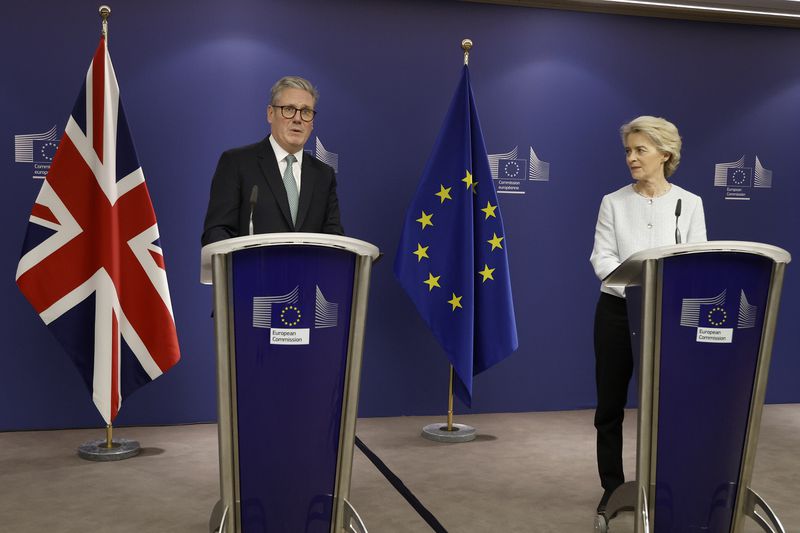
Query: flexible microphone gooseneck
[253,200]
[677,216]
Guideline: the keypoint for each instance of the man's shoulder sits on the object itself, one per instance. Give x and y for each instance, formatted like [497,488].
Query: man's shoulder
[248,149]
[317,165]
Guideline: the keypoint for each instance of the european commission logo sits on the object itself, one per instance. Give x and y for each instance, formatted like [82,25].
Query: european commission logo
[714,320]
[329,158]
[36,149]
[288,320]
[740,180]
[512,173]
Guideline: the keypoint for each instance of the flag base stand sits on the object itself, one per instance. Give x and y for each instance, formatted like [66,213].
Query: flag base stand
[440,433]
[448,431]
[98,450]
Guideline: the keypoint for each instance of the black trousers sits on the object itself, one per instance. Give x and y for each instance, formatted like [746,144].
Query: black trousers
[613,370]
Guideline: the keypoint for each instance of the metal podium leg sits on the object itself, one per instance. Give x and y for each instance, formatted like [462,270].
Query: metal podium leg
[753,500]
[352,522]
[645,512]
[219,515]
[622,499]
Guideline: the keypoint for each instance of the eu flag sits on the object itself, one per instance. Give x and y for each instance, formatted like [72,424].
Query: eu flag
[452,258]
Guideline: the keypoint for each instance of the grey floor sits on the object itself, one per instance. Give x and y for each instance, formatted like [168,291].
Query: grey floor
[526,472]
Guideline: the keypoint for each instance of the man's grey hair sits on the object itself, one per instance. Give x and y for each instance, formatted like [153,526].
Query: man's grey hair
[664,135]
[293,82]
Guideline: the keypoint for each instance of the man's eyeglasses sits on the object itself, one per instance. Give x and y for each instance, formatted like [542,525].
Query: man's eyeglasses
[289,111]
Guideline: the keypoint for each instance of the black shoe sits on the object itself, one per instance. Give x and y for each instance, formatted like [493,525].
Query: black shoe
[601,507]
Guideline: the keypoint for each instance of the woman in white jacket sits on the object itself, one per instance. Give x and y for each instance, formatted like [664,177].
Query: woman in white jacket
[636,217]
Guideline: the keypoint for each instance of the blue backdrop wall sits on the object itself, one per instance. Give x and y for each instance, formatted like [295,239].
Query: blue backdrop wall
[195,78]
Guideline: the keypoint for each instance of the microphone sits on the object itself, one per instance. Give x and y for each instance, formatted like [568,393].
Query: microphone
[253,200]
[677,216]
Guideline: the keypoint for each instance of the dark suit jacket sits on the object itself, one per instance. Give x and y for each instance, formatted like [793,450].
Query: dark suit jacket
[241,168]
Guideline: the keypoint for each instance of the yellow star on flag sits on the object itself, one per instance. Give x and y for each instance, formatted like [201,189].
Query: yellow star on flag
[489,210]
[444,193]
[422,251]
[455,301]
[425,219]
[487,273]
[468,180]
[495,241]
[432,281]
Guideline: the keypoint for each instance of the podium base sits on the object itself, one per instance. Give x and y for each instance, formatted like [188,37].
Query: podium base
[219,516]
[439,433]
[120,449]
[622,499]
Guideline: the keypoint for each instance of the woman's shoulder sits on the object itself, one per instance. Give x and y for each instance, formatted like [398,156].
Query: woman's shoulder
[622,192]
[620,195]
[677,189]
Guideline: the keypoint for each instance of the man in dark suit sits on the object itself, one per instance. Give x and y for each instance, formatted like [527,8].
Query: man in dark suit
[295,191]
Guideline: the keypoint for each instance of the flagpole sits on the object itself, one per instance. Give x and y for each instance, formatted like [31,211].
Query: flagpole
[105,12]
[452,432]
[450,402]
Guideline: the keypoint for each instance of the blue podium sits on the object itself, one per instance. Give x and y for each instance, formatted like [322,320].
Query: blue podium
[289,315]
[702,320]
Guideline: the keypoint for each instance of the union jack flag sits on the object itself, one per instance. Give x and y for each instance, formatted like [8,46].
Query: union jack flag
[92,265]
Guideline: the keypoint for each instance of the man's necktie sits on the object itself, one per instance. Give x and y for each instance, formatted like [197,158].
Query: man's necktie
[291,186]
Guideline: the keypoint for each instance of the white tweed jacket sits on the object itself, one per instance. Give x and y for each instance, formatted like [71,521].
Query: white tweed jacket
[628,223]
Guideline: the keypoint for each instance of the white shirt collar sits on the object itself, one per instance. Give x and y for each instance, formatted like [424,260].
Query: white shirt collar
[280,153]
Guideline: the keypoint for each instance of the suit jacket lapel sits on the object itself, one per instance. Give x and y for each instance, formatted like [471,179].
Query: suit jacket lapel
[272,175]
[307,179]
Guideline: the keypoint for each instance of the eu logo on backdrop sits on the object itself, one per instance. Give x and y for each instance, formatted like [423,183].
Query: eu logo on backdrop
[512,173]
[740,177]
[512,169]
[44,151]
[739,181]
[37,149]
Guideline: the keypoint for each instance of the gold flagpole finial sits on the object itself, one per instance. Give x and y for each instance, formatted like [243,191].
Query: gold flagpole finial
[105,12]
[466,45]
